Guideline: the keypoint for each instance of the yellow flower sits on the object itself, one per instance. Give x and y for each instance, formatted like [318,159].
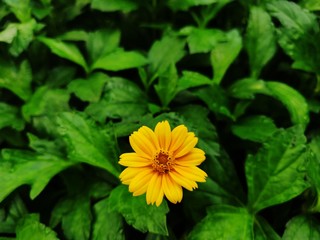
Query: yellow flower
[162,163]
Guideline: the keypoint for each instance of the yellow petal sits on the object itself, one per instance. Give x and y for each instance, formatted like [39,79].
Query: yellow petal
[183,181]
[141,145]
[169,189]
[192,173]
[178,136]
[129,173]
[187,146]
[193,158]
[149,134]
[134,160]
[141,181]
[160,197]
[163,133]
[154,188]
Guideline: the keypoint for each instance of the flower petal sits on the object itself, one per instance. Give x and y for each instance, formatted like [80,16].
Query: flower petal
[133,160]
[183,181]
[192,173]
[163,133]
[171,189]
[154,188]
[139,183]
[149,134]
[193,158]
[141,145]
[129,173]
[178,136]
[160,197]
[187,146]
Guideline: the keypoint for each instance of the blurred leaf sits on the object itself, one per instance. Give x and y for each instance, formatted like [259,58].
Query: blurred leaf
[87,143]
[65,50]
[9,33]
[260,41]
[108,225]
[204,40]
[312,5]
[263,231]
[185,4]
[89,89]
[121,99]
[46,101]
[224,53]
[302,227]
[165,52]
[255,128]
[224,222]
[102,42]
[16,78]
[74,35]
[18,167]
[191,79]
[29,227]
[290,98]
[137,213]
[276,174]
[120,60]
[10,117]
[114,5]
[60,76]
[20,8]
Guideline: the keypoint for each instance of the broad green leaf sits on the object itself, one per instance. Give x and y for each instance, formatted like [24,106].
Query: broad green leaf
[30,227]
[263,231]
[10,117]
[143,217]
[65,50]
[312,5]
[19,167]
[290,98]
[87,143]
[114,5]
[46,101]
[108,225]
[165,52]
[20,8]
[185,4]
[89,89]
[224,53]
[276,174]
[16,78]
[224,222]
[102,42]
[260,41]
[191,79]
[204,40]
[254,128]
[121,99]
[119,60]
[302,227]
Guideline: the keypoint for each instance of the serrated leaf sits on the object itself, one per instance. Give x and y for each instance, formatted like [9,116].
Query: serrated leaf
[275,174]
[30,227]
[302,227]
[255,128]
[137,213]
[114,5]
[10,117]
[121,99]
[260,40]
[65,50]
[89,89]
[224,53]
[224,222]
[19,167]
[120,60]
[87,143]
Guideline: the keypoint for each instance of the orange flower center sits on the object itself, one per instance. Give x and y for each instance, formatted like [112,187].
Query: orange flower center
[162,161]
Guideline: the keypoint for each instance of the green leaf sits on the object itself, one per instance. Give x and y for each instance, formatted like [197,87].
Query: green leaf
[137,213]
[9,33]
[191,79]
[74,35]
[29,227]
[312,5]
[204,40]
[302,227]
[255,128]
[260,41]
[20,8]
[165,52]
[64,50]
[121,99]
[224,222]
[10,117]
[224,53]
[120,60]
[89,89]
[102,42]
[185,4]
[275,174]
[87,143]
[114,5]
[290,98]
[16,78]
[108,225]
[263,231]
[46,101]
[19,167]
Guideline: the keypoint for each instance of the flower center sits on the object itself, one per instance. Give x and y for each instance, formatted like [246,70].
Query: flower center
[162,161]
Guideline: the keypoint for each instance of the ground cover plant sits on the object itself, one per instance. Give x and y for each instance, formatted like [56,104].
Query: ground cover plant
[236,81]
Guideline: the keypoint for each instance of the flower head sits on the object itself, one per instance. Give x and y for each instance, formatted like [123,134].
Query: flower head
[162,163]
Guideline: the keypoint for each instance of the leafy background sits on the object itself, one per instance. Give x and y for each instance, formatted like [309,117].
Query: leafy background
[78,76]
